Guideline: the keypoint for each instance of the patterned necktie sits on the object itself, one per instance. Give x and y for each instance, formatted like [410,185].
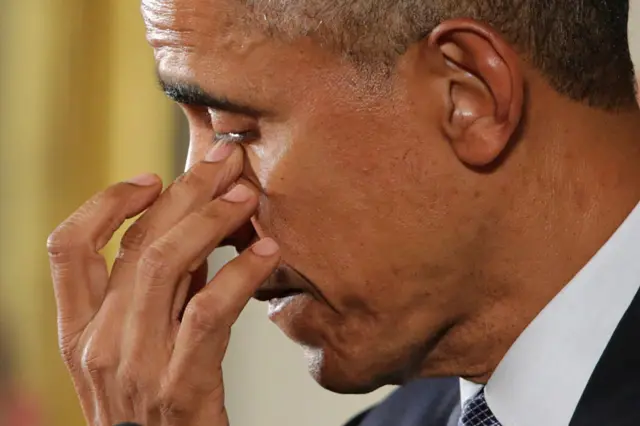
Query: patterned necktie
[476,412]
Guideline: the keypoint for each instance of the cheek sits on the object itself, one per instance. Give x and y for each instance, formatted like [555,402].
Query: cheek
[268,160]
[327,208]
[354,204]
[298,207]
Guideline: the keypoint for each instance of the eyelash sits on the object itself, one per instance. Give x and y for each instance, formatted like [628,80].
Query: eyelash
[234,137]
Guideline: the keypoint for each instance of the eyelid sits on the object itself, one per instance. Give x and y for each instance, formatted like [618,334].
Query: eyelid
[235,137]
[232,128]
[225,121]
[220,115]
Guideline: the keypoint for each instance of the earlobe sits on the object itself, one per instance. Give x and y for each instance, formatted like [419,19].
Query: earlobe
[486,90]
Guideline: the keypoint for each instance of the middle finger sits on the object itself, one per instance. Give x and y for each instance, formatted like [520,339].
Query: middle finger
[202,183]
[177,253]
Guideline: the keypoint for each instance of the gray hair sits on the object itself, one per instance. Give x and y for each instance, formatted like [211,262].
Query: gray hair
[580,46]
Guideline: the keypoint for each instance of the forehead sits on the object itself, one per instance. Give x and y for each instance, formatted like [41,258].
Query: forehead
[184,22]
[182,27]
[215,41]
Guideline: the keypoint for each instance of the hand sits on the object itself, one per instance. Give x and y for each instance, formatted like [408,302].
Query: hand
[137,348]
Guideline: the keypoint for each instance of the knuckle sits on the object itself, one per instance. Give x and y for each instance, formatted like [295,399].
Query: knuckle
[68,355]
[203,317]
[173,401]
[68,351]
[157,261]
[62,240]
[130,381]
[71,234]
[177,398]
[192,179]
[96,363]
[134,237]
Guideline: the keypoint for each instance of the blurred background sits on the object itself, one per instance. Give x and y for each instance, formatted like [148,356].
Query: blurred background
[79,110]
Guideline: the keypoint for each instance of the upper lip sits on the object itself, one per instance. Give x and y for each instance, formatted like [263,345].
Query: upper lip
[267,294]
[283,282]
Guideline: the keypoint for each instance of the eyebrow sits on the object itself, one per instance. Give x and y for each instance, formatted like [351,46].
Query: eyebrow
[192,94]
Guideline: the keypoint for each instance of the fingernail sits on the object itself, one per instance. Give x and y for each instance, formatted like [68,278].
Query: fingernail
[145,179]
[265,247]
[238,194]
[219,152]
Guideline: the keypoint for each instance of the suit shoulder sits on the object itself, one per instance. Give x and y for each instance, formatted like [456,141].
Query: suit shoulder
[423,401]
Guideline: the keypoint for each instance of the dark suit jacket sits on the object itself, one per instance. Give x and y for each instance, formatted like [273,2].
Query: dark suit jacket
[425,402]
[611,397]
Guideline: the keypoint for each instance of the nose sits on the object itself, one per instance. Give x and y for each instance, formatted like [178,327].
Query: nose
[242,238]
[246,235]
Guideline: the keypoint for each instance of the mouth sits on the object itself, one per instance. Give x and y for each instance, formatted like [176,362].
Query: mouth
[270,294]
[284,283]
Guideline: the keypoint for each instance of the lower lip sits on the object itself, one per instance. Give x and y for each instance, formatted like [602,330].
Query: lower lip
[276,306]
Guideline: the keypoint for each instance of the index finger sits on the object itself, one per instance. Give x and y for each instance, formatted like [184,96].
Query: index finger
[202,336]
[78,271]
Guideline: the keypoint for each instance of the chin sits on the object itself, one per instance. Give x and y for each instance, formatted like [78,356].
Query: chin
[341,362]
[339,376]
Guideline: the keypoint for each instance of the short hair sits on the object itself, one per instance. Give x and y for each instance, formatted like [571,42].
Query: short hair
[580,46]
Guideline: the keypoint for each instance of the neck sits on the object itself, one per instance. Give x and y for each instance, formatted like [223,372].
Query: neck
[580,182]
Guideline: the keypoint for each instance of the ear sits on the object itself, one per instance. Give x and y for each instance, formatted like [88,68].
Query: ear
[486,89]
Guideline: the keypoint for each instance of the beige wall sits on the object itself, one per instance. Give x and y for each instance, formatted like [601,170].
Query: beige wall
[266,377]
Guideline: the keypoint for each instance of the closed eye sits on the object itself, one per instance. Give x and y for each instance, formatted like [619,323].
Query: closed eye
[235,137]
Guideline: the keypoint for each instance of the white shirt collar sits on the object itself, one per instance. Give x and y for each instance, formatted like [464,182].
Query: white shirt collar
[543,375]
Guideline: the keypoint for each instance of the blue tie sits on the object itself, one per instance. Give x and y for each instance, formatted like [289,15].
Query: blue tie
[476,412]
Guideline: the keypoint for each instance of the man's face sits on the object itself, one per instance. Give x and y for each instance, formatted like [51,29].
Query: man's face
[370,207]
